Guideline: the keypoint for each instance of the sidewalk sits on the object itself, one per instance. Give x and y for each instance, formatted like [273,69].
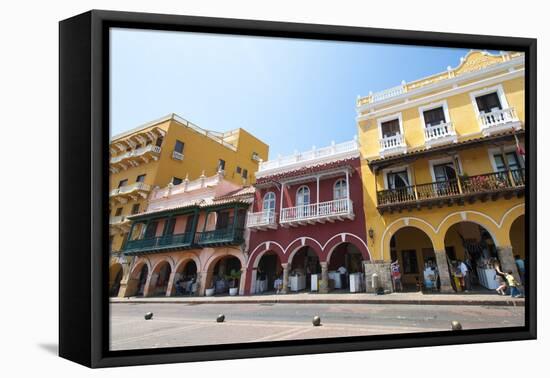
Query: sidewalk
[414,298]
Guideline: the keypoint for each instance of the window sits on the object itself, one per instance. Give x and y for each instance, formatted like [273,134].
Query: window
[122,183]
[179,146]
[238,170]
[118,212]
[245,173]
[398,180]
[302,196]
[269,202]
[135,208]
[140,178]
[221,165]
[159,141]
[151,230]
[176,180]
[444,172]
[390,128]
[511,158]
[489,102]
[340,189]
[189,223]
[170,225]
[410,262]
[434,117]
[223,220]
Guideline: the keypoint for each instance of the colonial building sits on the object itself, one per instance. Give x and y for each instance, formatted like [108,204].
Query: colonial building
[307,222]
[443,169]
[170,150]
[192,234]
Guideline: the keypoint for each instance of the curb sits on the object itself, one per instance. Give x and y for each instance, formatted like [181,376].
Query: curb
[435,302]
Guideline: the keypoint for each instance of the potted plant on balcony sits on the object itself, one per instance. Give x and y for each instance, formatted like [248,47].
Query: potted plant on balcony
[233,281]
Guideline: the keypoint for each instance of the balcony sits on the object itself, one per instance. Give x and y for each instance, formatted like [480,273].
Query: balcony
[499,120]
[392,145]
[221,237]
[262,220]
[317,213]
[118,224]
[133,191]
[134,158]
[466,188]
[159,244]
[440,134]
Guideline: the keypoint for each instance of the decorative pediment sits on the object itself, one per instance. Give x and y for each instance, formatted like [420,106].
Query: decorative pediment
[477,60]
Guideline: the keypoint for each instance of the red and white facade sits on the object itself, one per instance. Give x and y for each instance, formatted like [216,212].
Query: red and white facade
[307,222]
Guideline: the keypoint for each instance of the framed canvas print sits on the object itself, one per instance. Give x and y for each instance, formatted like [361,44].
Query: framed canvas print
[234,188]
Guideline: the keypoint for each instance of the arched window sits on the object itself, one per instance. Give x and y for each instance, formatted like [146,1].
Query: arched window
[302,196]
[269,202]
[340,189]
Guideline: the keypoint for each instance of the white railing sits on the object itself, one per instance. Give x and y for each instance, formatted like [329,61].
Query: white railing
[117,219]
[187,186]
[136,152]
[497,117]
[439,131]
[319,210]
[388,93]
[393,141]
[311,155]
[177,155]
[131,188]
[262,218]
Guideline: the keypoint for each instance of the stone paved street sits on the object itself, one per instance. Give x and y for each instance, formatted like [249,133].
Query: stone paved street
[184,324]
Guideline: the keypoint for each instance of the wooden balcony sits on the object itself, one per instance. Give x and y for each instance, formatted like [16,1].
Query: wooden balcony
[262,220]
[221,237]
[460,190]
[321,212]
[159,244]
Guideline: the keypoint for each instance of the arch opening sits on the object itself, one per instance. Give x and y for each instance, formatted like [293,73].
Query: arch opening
[345,268]
[269,273]
[305,263]
[160,279]
[224,275]
[186,278]
[472,256]
[414,264]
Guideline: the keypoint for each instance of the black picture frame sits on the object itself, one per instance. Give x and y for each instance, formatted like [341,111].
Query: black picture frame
[83,159]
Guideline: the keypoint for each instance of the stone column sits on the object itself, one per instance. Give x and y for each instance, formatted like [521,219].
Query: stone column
[128,287]
[202,276]
[323,287]
[444,274]
[507,262]
[382,270]
[284,290]
[150,284]
[242,281]
[171,288]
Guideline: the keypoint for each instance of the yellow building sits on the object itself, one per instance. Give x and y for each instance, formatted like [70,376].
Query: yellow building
[443,173]
[171,150]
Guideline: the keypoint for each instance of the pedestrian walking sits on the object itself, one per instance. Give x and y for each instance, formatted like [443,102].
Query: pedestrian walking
[465,276]
[513,284]
[521,268]
[396,276]
[500,277]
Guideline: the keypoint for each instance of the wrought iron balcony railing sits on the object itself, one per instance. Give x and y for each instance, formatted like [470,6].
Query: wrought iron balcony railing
[494,182]
[159,243]
[225,236]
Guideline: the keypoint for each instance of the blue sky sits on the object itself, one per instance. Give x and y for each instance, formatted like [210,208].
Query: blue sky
[292,94]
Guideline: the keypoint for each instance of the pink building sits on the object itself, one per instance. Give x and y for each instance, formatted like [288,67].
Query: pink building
[307,224]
